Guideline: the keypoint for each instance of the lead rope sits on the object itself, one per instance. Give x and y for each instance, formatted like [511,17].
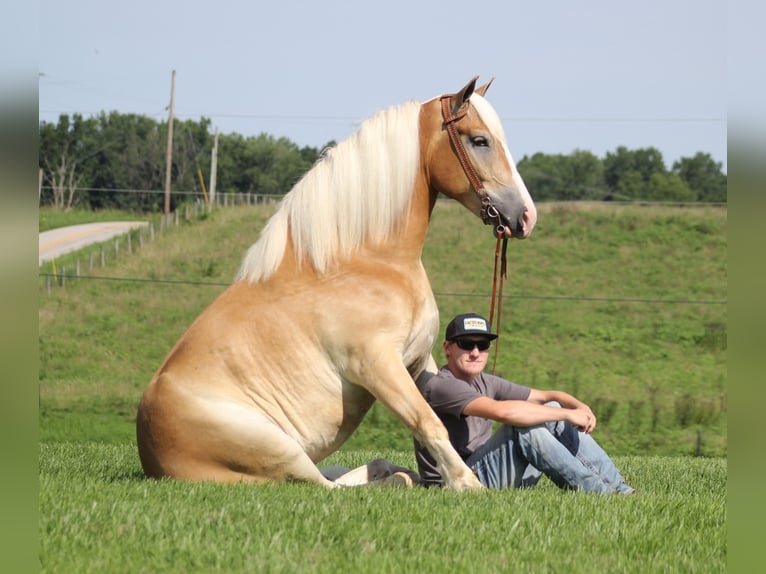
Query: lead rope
[488,211]
[497,293]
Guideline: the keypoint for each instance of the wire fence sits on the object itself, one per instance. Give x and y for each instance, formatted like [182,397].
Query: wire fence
[224,199]
[62,278]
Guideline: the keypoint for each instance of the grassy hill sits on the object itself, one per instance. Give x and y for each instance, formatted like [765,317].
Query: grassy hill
[620,305]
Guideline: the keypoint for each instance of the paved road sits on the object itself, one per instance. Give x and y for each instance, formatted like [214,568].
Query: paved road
[57,242]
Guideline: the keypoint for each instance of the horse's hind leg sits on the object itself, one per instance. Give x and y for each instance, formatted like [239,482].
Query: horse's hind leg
[227,442]
[255,446]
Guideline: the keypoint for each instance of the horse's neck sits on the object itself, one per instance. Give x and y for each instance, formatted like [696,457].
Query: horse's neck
[409,236]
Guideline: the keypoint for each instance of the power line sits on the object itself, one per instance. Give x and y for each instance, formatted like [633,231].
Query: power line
[619,120]
[594,299]
[300,117]
[119,190]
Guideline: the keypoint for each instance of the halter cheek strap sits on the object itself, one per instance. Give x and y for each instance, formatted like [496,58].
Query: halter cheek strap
[489,213]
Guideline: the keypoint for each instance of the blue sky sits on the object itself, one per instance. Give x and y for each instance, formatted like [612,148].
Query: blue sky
[592,75]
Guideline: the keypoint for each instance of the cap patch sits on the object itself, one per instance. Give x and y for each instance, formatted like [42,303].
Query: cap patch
[474,323]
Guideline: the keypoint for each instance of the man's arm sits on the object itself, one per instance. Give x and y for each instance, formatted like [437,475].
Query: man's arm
[532,412]
[564,399]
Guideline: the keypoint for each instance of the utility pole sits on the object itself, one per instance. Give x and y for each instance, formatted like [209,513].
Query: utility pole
[213,169]
[169,158]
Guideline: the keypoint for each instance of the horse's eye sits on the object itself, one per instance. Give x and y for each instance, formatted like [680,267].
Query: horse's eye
[479,141]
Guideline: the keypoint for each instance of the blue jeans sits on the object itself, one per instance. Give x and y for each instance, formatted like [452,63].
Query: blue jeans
[516,457]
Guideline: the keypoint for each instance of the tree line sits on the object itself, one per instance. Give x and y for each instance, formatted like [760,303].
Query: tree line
[625,175]
[116,160]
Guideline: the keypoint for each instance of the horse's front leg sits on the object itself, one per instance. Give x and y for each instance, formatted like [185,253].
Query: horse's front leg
[385,377]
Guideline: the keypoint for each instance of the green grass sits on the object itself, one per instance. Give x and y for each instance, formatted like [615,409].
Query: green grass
[50,218]
[98,514]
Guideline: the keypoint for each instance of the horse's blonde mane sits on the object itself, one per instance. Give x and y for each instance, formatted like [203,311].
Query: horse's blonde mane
[354,193]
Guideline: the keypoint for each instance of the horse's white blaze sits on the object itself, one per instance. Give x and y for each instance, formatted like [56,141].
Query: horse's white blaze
[518,184]
[495,126]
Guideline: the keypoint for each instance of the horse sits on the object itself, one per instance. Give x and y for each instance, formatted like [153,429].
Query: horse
[332,308]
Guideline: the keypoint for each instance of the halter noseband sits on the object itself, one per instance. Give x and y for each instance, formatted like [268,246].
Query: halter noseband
[489,213]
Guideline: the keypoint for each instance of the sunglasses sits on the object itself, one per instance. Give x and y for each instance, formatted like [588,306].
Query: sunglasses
[467,345]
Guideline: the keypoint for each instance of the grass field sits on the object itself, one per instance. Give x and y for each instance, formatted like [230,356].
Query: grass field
[98,514]
[621,305]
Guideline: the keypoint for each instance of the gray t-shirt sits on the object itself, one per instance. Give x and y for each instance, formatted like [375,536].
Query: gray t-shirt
[448,396]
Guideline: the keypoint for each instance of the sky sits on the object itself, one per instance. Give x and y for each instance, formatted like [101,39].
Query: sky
[587,75]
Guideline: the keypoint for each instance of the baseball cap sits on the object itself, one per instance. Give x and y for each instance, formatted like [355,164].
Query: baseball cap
[468,324]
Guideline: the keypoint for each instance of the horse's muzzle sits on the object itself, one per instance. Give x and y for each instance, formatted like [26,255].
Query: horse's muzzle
[518,228]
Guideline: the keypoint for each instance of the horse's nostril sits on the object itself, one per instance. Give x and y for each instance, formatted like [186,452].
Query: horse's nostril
[518,226]
[525,223]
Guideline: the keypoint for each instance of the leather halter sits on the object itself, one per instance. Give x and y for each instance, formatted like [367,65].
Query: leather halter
[489,213]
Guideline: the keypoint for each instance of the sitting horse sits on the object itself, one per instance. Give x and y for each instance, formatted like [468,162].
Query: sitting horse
[332,308]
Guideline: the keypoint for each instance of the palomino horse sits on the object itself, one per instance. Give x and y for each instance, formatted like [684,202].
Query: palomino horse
[332,307]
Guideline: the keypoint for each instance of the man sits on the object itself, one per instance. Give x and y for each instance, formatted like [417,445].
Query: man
[542,432]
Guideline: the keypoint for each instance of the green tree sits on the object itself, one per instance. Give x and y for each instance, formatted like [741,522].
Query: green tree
[118,160]
[704,177]
[65,151]
[540,175]
[668,187]
[563,177]
[262,164]
[192,144]
[131,162]
[584,176]
[627,173]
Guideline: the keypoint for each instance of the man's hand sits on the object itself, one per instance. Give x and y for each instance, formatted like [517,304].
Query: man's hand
[582,418]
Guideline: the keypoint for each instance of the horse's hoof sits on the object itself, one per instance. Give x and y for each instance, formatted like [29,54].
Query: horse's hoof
[469,482]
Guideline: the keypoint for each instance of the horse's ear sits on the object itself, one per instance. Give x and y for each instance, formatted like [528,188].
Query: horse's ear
[458,99]
[481,90]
